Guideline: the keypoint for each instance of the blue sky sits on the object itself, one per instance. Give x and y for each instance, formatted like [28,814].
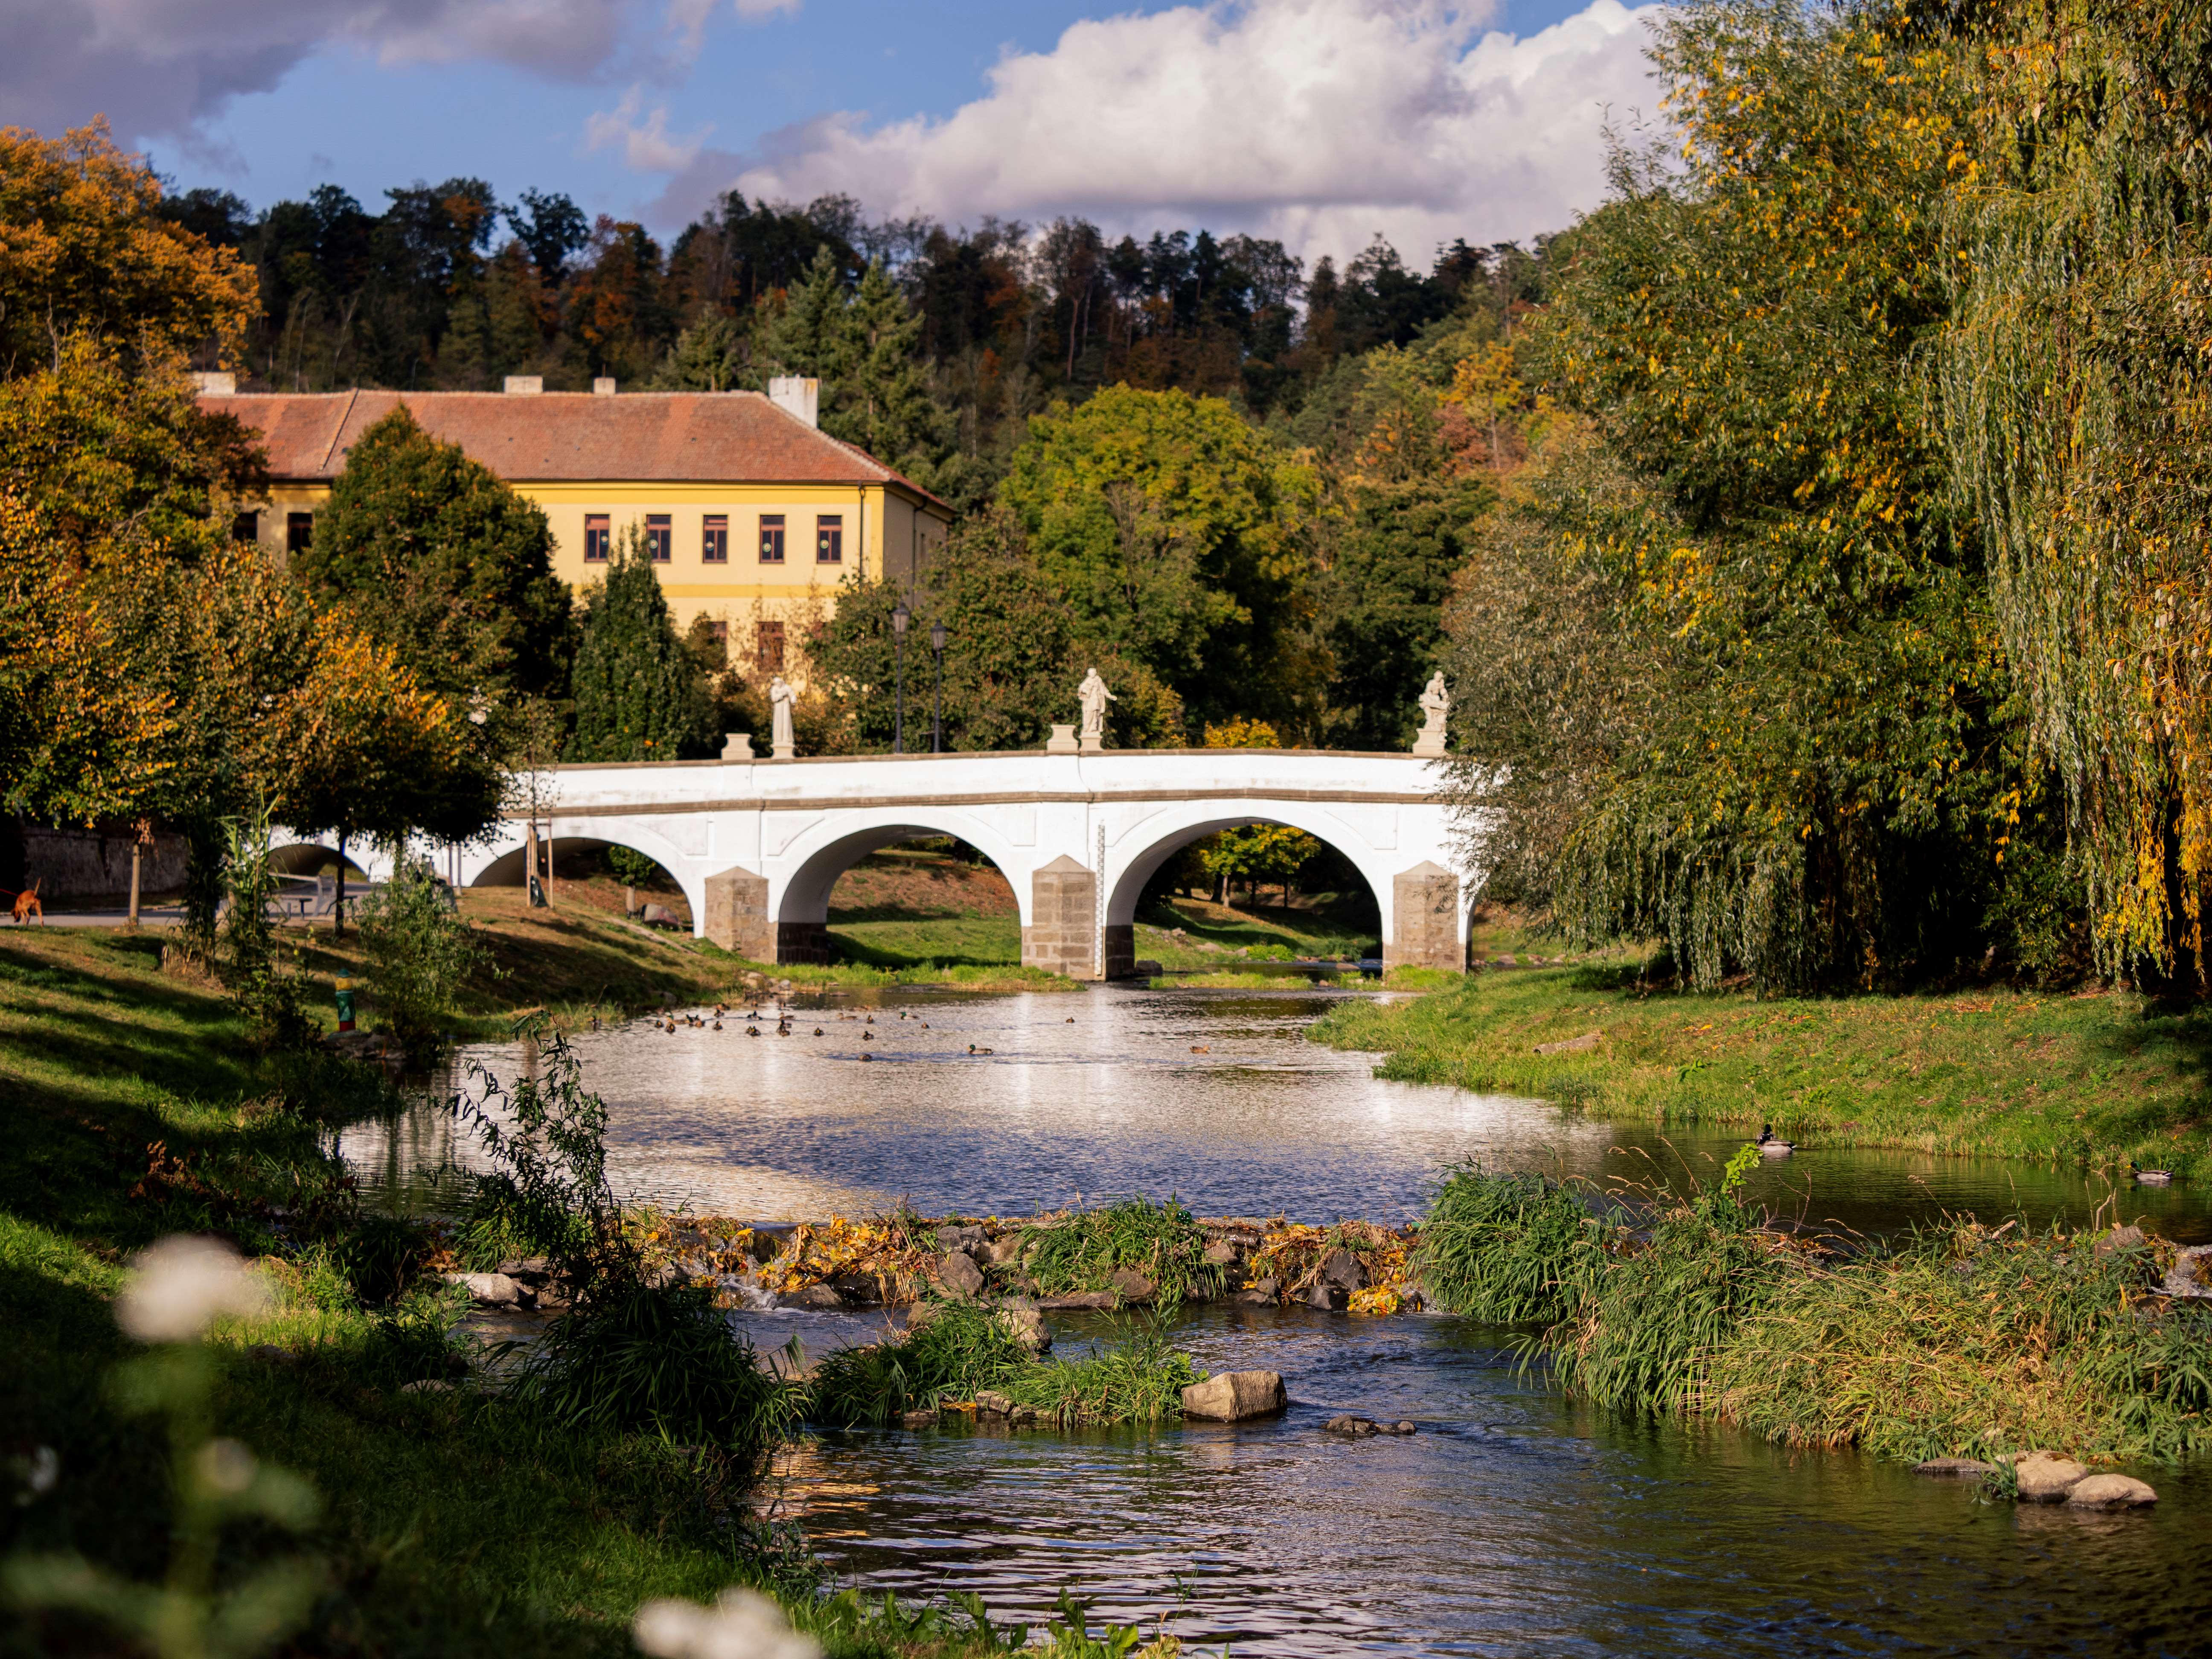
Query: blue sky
[1305,118]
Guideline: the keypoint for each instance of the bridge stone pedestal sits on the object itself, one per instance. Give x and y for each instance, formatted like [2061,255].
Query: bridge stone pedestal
[1424,905]
[737,916]
[1061,935]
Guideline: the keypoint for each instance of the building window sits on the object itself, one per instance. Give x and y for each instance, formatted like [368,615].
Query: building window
[298,531]
[715,539]
[719,631]
[246,527]
[598,534]
[767,647]
[659,537]
[771,538]
[829,538]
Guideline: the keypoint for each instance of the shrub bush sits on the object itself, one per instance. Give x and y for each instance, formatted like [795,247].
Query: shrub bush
[420,951]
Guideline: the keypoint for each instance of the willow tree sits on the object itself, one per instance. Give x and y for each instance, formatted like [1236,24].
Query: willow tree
[1730,638]
[2077,401]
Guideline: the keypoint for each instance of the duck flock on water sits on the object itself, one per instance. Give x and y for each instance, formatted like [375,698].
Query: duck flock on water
[783,1023]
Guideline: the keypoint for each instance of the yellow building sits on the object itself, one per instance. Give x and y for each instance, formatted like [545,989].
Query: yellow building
[752,514]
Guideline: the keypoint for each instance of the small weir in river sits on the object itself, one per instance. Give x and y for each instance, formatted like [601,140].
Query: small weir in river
[1513,1523]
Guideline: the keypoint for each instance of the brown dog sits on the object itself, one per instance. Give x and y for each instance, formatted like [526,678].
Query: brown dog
[28,905]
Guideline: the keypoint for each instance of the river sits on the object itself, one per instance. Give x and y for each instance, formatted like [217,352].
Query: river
[1513,1523]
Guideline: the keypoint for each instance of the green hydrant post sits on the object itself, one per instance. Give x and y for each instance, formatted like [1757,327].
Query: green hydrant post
[345,1005]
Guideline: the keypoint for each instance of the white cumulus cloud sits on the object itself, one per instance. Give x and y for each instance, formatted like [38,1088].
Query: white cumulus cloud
[646,145]
[1321,122]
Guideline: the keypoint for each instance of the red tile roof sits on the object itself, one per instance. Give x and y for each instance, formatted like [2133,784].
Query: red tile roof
[565,437]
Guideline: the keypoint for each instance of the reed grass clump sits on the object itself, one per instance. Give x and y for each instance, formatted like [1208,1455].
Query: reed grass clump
[1954,1341]
[1082,1252]
[1503,1248]
[965,1349]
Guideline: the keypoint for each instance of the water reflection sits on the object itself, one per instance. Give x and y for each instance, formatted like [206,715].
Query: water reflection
[1216,1097]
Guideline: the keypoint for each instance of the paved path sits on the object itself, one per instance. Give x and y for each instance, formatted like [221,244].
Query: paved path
[150,915]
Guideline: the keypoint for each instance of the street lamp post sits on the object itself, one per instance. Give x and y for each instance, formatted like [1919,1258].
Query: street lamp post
[937,715]
[899,620]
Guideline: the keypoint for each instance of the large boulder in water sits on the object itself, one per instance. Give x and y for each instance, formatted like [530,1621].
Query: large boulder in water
[1232,1397]
[2047,1478]
[2111,1491]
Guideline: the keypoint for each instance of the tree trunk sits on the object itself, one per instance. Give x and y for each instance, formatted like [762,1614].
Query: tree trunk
[530,864]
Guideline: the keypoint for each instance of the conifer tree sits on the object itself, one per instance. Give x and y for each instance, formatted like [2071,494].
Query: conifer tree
[708,356]
[637,687]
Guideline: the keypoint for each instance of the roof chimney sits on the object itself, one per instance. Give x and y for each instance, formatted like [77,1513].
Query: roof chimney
[216,386]
[795,397]
[604,386]
[524,385]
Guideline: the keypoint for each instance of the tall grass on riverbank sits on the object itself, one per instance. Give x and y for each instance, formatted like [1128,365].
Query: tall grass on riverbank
[2095,1079]
[1957,1341]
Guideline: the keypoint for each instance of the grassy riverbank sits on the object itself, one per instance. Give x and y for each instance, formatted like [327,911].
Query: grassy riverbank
[1964,1340]
[449,1523]
[2096,1079]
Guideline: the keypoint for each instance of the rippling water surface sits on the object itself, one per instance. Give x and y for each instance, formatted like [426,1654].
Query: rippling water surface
[1514,1522]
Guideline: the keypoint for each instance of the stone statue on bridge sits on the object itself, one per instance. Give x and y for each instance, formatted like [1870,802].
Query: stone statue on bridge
[1094,696]
[1435,704]
[781,698]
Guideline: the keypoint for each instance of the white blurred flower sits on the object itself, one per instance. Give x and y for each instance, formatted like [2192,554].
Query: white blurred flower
[742,1623]
[37,1469]
[180,1285]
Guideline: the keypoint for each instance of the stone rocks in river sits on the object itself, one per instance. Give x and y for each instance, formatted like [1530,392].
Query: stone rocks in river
[2047,1478]
[1133,1288]
[958,1272]
[1574,1045]
[821,1297]
[1331,1299]
[1955,1468]
[859,1290]
[2120,1238]
[1343,1270]
[1001,1251]
[2191,1272]
[2111,1491]
[1077,1299]
[1260,1292]
[917,1419]
[968,1238]
[492,1290]
[1219,1253]
[1233,1396]
[1356,1427]
[1026,1325]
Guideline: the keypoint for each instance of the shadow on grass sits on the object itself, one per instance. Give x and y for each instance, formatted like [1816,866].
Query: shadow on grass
[846,951]
[1340,922]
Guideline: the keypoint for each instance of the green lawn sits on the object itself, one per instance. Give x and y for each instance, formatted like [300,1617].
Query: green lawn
[2097,1078]
[450,1524]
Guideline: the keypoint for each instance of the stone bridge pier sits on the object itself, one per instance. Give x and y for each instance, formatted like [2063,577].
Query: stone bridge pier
[757,845]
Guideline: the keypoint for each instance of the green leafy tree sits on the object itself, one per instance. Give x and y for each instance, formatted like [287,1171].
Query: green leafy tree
[433,554]
[1816,778]
[639,690]
[1012,661]
[1177,534]
[1381,601]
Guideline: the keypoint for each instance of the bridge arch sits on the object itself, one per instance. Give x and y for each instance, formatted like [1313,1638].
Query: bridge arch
[500,864]
[1150,843]
[800,901]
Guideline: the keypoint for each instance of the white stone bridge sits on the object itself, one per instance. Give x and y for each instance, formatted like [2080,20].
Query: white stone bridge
[757,845]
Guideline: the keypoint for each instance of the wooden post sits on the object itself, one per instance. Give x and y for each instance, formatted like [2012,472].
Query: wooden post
[138,842]
[338,929]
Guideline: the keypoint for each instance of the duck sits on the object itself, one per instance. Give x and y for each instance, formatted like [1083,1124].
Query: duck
[871,1019]
[867,1038]
[753,1031]
[1769,1146]
[718,1024]
[1070,1019]
[925,1025]
[817,1031]
[973,1049]
[1201,1048]
[2150,1177]
[865,1055]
